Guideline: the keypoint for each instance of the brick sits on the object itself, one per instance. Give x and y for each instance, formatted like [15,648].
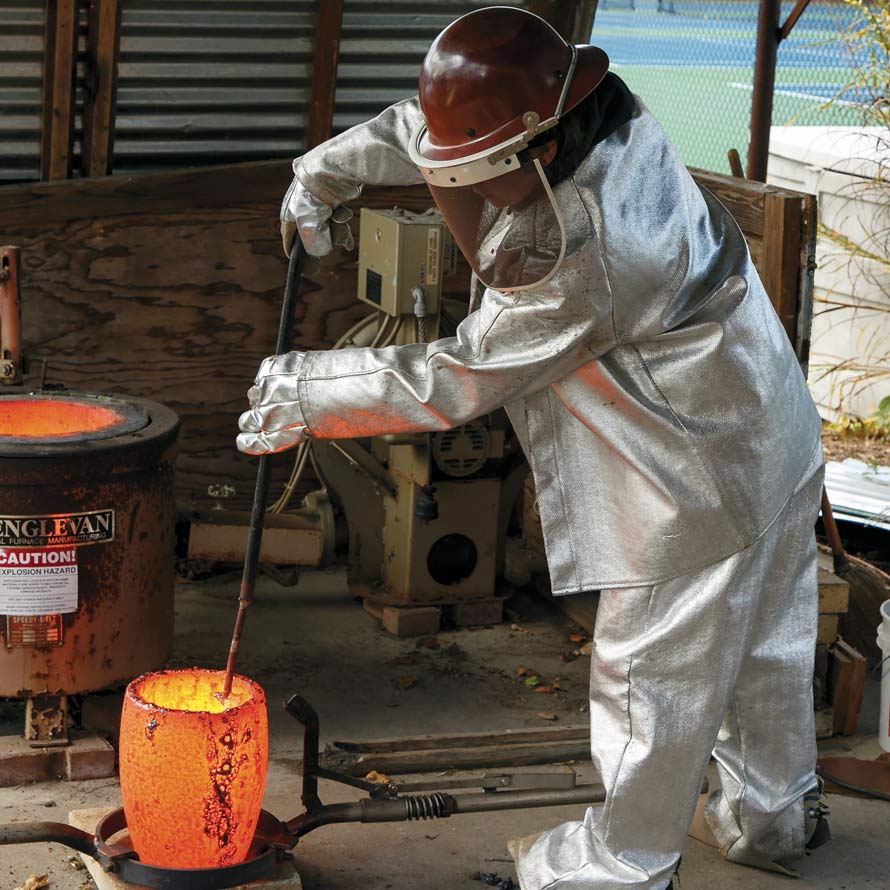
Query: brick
[373,607]
[21,764]
[827,629]
[824,723]
[490,611]
[412,622]
[834,592]
[89,757]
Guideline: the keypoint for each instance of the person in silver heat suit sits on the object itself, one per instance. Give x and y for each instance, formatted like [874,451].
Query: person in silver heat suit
[676,457]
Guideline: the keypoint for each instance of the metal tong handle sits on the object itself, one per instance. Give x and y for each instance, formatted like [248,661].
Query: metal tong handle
[48,832]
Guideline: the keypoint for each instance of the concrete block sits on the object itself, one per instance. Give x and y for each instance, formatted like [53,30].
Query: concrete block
[470,614]
[827,629]
[286,878]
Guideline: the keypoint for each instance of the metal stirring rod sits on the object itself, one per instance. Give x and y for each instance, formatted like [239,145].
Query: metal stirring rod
[261,492]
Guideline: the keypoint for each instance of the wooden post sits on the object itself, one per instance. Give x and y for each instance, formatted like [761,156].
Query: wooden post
[59,69]
[328,27]
[560,14]
[781,257]
[100,93]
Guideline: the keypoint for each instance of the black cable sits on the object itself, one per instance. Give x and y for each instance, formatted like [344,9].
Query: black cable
[867,792]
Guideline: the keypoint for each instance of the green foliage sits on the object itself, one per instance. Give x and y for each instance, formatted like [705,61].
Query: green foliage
[876,426]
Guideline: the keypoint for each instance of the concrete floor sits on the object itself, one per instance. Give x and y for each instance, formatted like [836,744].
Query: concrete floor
[314,639]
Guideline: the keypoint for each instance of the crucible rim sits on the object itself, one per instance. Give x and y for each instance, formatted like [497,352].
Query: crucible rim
[257,697]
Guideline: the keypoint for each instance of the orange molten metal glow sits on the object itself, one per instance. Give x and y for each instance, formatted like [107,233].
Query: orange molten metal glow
[193,770]
[39,418]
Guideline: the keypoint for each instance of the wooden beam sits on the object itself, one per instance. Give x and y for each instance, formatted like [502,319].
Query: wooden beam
[561,14]
[328,27]
[781,257]
[435,759]
[59,71]
[100,94]
[465,740]
[584,18]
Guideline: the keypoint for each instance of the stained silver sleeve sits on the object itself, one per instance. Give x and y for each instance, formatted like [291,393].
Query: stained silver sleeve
[512,346]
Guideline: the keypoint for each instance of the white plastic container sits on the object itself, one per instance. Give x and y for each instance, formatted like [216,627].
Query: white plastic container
[884,643]
[838,164]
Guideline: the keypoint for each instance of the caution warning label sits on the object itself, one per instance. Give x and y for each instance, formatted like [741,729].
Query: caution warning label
[38,580]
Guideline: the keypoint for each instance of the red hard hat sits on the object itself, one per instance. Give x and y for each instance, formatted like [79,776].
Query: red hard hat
[486,71]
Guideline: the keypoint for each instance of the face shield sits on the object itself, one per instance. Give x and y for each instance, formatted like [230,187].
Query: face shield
[500,209]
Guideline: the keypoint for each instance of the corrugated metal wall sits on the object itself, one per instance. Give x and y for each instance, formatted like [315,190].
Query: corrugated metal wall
[219,81]
[21,57]
[381,50]
[211,82]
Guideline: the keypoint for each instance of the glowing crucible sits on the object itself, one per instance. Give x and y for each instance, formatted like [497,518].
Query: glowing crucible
[193,768]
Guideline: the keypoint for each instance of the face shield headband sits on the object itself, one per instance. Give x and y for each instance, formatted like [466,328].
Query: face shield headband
[499,205]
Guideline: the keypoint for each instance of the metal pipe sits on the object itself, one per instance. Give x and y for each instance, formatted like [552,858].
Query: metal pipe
[764,84]
[306,715]
[516,800]
[441,806]
[330,814]
[367,464]
[48,832]
[261,492]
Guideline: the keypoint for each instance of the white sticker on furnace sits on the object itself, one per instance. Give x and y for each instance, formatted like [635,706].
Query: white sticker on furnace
[38,580]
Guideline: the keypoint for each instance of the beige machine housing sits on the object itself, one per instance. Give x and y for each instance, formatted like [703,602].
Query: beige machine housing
[398,251]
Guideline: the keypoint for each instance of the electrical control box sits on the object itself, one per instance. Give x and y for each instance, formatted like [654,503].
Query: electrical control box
[399,250]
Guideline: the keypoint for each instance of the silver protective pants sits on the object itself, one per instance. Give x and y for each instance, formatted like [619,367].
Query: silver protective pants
[735,640]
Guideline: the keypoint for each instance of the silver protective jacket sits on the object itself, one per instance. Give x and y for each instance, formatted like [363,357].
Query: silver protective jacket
[653,389]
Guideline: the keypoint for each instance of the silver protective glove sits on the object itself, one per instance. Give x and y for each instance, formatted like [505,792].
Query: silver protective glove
[274,422]
[303,213]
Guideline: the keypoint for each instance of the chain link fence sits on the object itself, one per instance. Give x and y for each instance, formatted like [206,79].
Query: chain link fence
[692,64]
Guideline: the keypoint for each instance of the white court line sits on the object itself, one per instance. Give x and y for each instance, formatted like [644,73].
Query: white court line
[810,97]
